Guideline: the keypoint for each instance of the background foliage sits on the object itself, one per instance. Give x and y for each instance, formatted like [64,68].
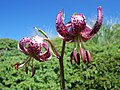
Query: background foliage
[103,73]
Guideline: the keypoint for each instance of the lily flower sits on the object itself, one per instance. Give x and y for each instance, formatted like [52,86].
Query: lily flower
[34,48]
[78,31]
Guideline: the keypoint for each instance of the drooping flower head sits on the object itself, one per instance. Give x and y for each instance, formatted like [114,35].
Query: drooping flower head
[78,31]
[34,48]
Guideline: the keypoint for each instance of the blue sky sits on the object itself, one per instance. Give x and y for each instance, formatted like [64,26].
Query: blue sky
[18,17]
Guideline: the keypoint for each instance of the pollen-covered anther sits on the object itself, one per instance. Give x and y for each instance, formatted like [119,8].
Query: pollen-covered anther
[88,56]
[83,54]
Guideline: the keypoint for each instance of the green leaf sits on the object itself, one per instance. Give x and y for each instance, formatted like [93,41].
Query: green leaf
[53,51]
[41,31]
[74,13]
[53,48]
[63,16]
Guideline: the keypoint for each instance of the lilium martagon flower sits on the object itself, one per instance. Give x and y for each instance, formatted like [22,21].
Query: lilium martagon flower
[78,31]
[36,49]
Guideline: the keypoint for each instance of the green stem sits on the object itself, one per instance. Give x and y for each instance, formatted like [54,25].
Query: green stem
[54,48]
[62,66]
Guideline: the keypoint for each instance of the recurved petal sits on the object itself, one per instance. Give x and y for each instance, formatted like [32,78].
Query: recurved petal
[46,55]
[85,34]
[61,28]
[98,22]
[59,18]
[88,56]
[90,32]
[23,45]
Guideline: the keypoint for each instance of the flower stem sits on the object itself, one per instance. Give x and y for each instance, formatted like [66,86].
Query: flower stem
[62,66]
[54,48]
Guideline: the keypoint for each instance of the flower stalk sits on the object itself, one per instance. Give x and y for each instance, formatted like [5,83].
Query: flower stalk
[62,66]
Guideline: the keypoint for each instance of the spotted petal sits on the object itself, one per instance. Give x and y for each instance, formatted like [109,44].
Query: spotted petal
[78,22]
[23,44]
[46,55]
[85,34]
[90,32]
[98,22]
[62,29]
[33,48]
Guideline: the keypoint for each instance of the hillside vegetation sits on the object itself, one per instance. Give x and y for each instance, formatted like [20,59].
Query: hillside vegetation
[103,73]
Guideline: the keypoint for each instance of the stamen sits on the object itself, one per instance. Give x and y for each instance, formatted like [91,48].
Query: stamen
[26,69]
[83,54]
[27,60]
[33,71]
[25,63]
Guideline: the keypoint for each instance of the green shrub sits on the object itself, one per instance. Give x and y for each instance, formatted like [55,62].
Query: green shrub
[103,73]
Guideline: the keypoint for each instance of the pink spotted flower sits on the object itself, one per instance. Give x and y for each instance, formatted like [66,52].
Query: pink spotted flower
[34,48]
[78,31]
